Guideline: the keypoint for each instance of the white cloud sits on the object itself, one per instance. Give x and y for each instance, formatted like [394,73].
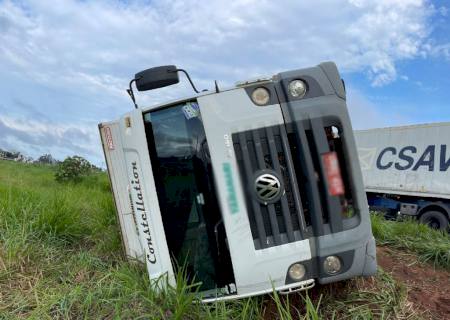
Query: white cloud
[86,52]
[33,133]
[440,50]
[365,114]
[443,11]
[226,39]
[35,138]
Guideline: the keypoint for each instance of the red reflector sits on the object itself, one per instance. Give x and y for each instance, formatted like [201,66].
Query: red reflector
[109,140]
[333,173]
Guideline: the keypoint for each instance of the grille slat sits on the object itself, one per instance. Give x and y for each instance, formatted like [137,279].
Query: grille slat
[259,151]
[307,167]
[294,182]
[276,166]
[257,212]
[270,207]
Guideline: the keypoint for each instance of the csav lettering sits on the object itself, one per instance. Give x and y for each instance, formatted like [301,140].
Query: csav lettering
[408,157]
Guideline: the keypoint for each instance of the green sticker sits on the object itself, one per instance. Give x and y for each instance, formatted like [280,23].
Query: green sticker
[231,193]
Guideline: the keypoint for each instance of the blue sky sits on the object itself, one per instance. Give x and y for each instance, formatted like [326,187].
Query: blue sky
[64,65]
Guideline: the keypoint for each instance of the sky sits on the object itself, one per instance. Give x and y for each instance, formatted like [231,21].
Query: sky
[65,64]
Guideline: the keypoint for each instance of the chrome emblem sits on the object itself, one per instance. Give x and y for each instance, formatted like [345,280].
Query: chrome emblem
[267,187]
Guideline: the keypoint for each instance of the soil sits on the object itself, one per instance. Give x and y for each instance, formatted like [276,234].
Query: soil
[428,287]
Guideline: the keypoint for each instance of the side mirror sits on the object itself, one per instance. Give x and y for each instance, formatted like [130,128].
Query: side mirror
[157,77]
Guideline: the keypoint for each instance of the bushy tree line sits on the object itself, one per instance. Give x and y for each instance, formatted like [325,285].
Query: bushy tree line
[19,157]
[46,159]
[73,169]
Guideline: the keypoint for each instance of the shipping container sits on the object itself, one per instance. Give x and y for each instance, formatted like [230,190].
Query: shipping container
[406,170]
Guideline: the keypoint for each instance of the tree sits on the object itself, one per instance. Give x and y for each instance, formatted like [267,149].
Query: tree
[73,169]
[46,159]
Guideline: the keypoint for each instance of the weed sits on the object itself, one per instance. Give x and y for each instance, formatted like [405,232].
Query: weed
[430,245]
[60,258]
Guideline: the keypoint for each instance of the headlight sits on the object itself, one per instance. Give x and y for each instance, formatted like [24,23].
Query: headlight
[297,88]
[297,271]
[332,265]
[261,96]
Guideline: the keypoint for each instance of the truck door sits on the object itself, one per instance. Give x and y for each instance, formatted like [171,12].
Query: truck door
[133,185]
[185,187]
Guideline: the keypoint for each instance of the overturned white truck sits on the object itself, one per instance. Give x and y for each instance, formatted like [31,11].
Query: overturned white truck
[252,188]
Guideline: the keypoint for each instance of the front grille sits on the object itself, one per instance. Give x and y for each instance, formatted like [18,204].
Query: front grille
[267,150]
[293,153]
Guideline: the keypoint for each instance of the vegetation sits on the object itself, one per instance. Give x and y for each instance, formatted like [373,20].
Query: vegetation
[73,169]
[430,245]
[60,258]
[46,159]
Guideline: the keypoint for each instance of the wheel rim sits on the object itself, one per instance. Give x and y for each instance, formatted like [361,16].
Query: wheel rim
[434,223]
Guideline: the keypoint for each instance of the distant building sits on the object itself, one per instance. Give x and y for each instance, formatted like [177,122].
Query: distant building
[14,156]
[7,155]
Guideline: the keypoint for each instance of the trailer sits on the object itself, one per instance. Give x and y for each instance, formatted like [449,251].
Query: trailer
[249,189]
[406,171]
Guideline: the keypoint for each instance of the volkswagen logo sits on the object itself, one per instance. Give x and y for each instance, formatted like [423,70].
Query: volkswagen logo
[267,187]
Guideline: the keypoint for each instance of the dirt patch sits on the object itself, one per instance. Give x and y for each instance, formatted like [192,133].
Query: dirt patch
[428,288]
[405,289]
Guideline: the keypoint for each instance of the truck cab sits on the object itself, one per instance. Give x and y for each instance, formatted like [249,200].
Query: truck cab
[250,189]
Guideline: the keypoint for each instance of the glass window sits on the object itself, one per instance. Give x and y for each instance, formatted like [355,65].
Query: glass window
[178,150]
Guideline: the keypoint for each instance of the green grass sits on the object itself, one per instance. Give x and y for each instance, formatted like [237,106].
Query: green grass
[61,258]
[429,245]
[383,298]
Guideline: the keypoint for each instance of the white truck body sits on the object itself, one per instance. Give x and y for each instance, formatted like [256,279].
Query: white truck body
[408,160]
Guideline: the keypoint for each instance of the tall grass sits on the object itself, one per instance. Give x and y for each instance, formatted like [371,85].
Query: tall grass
[366,299]
[430,245]
[60,258]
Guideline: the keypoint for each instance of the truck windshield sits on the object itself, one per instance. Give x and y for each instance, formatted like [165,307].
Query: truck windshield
[183,176]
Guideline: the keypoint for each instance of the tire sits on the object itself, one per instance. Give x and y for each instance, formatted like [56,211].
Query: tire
[435,219]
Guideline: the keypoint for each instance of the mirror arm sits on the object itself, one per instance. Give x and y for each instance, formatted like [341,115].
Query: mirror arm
[189,78]
[131,93]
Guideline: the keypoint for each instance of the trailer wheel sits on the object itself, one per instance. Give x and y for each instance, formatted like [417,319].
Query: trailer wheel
[435,219]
